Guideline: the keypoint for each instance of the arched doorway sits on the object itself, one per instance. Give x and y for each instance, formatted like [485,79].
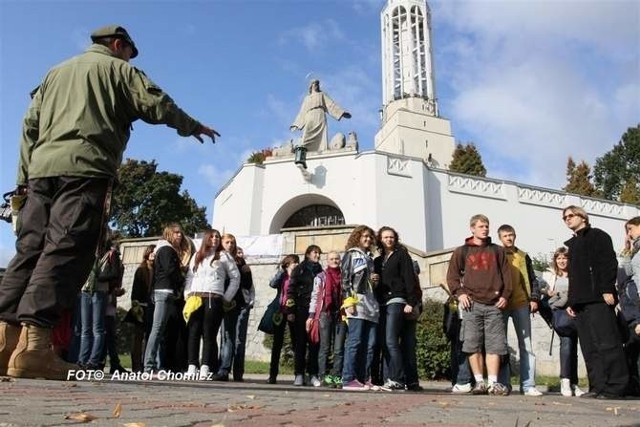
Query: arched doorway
[308,210]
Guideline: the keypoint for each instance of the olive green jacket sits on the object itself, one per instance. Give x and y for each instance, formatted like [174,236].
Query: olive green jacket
[80,117]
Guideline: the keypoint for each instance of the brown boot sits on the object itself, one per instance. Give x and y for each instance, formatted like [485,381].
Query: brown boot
[9,335]
[34,358]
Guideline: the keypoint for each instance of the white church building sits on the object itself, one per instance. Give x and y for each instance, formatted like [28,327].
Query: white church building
[275,207]
[404,181]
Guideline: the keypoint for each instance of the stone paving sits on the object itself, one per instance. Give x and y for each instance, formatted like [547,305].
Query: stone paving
[255,403]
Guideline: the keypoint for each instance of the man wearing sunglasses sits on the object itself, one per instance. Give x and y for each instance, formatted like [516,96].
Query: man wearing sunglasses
[592,297]
[74,134]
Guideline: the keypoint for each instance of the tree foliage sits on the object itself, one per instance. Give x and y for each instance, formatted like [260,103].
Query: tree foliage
[466,159]
[617,173]
[145,200]
[579,179]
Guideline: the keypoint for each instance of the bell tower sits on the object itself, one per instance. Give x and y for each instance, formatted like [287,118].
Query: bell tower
[411,122]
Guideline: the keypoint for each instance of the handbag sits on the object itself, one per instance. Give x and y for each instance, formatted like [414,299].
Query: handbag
[272,316]
[314,329]
[109,267]
[563,324]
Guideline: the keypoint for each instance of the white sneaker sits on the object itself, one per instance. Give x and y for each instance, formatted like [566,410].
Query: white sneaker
[299,380]
[461,388]
[577,391]
[192,371]
[565,387]
[204,372]
[532,391]
[315,381]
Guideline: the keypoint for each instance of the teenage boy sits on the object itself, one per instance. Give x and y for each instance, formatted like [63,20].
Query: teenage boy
[523,301]
[479,277]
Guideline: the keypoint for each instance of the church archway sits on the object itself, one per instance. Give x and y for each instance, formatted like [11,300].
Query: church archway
[308,210]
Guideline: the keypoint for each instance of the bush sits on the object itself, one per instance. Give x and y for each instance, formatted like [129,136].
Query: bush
[124,333]
[433,350]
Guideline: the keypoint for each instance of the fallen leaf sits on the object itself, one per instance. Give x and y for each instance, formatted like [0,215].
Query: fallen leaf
[218,425]
[81,416]
[251,396]
[117,410]
[134,425]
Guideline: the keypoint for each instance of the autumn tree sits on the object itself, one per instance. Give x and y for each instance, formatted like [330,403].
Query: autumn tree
[147,199]
[579,179]
[466,159]
[617,173]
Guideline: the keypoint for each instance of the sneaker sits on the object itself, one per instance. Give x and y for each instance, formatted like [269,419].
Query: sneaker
[565,387]
[329,381]
[462,389]
[577,391]
[391,385]
[220,377]
[299,380]
[480,388]
[371,386]
[192,371]
[354,385]
[271,380]
[532,392]
[204,372]
[416,387]
[315,381]
[497,389]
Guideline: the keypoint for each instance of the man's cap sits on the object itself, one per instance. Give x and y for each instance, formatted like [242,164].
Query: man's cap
[115,31]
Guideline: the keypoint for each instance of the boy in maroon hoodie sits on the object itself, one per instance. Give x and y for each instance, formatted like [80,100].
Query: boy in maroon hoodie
[479,276]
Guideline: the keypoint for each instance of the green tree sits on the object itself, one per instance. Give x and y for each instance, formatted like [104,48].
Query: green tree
[466,159]
[630,192]
[145,200]
[618,166]
[579,179]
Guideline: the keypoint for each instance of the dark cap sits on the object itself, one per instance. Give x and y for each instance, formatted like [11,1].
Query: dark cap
[115,31]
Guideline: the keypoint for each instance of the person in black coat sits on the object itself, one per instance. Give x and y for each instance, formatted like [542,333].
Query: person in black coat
[593,271]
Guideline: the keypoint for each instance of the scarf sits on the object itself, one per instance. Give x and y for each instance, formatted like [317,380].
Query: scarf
[332,289]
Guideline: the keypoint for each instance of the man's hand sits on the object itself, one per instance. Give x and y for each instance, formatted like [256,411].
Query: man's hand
[533,306]
[637,329]
[465,301]
[502,303]
[408,309]
[609,299]
[570,312]
[346,115]
[205,130]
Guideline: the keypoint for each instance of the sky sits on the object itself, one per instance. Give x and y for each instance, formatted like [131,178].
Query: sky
[530,82]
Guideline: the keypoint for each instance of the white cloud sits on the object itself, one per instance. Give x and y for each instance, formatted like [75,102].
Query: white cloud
[214,175]
[535,82]
[314,35]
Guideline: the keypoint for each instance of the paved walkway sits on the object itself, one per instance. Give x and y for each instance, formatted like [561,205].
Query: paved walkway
[255,403]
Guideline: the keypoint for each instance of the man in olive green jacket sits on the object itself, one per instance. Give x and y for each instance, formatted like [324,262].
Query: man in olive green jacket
[74,134]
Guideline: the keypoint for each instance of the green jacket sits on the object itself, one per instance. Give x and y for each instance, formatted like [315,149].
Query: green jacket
[79,120]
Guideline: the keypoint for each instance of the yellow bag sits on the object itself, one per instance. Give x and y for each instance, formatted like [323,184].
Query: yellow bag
[190,306]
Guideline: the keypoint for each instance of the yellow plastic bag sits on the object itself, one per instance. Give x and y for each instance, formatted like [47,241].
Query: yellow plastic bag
[190,306]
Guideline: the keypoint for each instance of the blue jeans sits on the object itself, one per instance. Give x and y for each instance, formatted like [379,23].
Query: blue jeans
[569,358]
[358,353]
[332,331]
[228,341]
[92,338]
[394,326]
[521,318]
[234,342]
[160,315]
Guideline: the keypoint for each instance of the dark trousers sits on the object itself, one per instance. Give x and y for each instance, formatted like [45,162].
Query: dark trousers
[569,358]
[306,353]
[111,343]
[205,322]
[278,342]
[602,348]
[176,339]
[61,223]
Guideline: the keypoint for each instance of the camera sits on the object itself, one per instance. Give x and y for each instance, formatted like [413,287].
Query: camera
[5,207]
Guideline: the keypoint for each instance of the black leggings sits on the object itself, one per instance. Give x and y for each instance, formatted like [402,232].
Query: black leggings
[204,323]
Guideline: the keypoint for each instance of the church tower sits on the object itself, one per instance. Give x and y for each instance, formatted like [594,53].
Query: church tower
[411,122]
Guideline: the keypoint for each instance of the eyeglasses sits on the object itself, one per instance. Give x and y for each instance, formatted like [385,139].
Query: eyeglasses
[568,216]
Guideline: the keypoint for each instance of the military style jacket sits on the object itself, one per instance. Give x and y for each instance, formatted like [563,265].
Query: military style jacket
[80,117]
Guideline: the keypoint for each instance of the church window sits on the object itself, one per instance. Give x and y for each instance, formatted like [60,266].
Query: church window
[315,216]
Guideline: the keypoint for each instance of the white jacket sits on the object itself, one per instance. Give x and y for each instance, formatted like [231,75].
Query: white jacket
[211,276]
